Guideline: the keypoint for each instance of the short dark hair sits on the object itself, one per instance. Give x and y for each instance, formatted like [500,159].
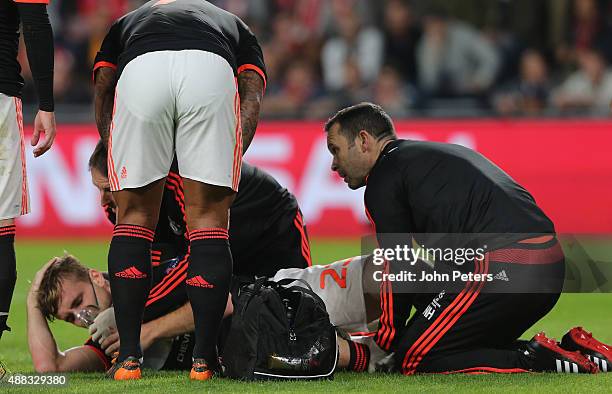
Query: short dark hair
[98,159]
[362,116]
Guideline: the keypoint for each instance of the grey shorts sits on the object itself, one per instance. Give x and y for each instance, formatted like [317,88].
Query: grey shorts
[184,102]
[14,198]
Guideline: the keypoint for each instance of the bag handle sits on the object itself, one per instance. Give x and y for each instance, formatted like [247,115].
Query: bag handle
[286,281]
[307,290]
[261,282]
[247,291]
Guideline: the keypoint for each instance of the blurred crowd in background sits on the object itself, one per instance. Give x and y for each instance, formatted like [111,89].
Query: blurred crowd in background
[415,58]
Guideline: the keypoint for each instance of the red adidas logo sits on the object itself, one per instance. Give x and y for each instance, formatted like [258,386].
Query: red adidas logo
[131,273]
[123,173]
[198,281]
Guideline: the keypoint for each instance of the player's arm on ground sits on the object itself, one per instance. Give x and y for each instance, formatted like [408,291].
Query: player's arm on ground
[46,356]
[251,82]
[105,81]
[175,323]
[38,38]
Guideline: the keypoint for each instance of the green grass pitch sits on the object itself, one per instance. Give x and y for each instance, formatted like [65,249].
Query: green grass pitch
[593,311]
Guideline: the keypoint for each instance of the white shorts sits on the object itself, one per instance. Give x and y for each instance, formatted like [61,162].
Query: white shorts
[14,198]
[176,101]
[339,285]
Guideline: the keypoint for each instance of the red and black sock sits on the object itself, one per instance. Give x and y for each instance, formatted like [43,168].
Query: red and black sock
[129,268]
[8,273]
[359,357]
[208,282]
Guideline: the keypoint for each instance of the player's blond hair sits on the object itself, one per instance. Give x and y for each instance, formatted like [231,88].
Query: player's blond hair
[49,293]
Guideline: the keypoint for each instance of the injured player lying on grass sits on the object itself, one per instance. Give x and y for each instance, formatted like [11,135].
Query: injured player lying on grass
[65,289]
[77,294]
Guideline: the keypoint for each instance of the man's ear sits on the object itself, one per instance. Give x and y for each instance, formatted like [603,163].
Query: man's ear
[96,277]
[365,140]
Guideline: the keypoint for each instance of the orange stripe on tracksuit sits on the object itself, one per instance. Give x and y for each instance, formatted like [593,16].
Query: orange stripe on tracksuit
[483,370]
[174,183]
[445,321]
[173,274]
[299,224]
[386,330]
[170,282]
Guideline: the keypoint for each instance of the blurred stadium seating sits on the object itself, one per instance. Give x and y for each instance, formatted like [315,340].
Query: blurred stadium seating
[424,58]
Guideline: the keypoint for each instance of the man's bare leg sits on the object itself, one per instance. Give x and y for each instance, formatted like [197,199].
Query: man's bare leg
[210,267]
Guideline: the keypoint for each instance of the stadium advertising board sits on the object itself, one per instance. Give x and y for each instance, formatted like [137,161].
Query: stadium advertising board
[565,164]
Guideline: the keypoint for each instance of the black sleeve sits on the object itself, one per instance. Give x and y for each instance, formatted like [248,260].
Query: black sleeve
[249,56]
[108,55]
[38,37]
